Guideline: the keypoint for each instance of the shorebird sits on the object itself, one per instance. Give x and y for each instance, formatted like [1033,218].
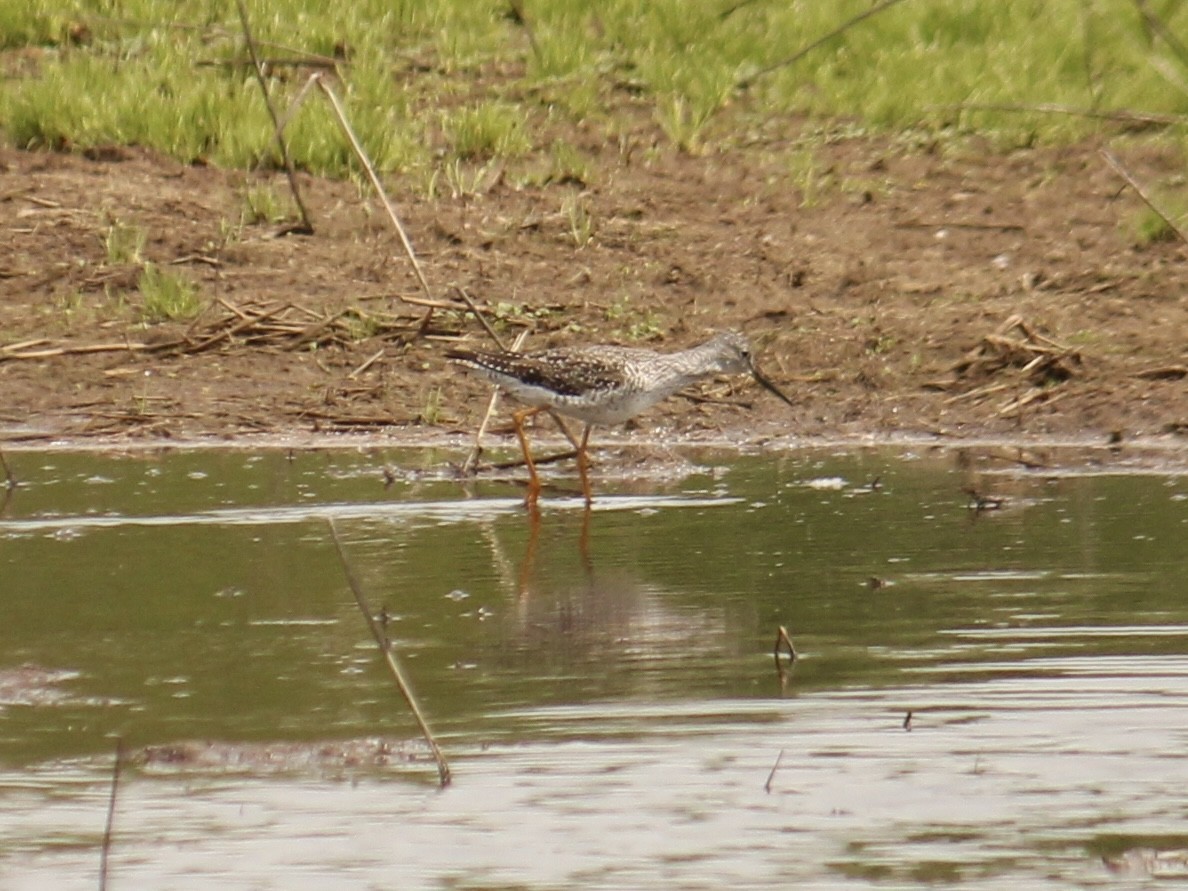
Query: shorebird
[603,385]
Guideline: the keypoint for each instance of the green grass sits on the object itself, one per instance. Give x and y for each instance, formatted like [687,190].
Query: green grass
[124,243]
[167,296]
[484,131]
[430,83]
[1151,228]
[578,217]
[265,203]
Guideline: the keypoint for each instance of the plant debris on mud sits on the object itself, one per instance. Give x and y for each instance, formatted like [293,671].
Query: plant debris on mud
[954,293]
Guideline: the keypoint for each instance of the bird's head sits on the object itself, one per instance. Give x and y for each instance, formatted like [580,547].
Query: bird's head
[733,355]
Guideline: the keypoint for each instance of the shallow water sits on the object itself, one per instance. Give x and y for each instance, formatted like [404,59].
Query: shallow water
[603,683]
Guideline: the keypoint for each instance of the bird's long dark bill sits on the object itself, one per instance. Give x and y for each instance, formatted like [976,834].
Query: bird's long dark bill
[768,385]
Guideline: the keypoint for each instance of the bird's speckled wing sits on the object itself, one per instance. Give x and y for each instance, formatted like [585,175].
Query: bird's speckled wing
[564,372]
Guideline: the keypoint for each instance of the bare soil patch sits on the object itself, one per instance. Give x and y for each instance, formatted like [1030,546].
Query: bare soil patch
[960,294]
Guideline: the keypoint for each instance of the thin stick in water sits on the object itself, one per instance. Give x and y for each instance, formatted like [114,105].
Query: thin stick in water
[774,768]
[9,480]
[385,647]
[105,851]
[784,641]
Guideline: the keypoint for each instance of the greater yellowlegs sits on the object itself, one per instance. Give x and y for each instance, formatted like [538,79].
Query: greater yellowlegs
[603,385]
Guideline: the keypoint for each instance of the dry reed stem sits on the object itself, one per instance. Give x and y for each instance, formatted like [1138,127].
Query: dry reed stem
[307,226]
[746,82]
[270,324]
[1134,184]
[1120,116]
[357,147]
[371,360]
[521,18]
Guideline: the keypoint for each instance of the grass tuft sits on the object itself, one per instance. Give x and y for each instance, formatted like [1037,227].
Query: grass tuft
[1152,228]
[485,131]
[167,296]
[124,243]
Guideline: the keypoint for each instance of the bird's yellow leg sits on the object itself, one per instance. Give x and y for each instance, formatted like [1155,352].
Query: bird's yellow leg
[519,418]
[584,465]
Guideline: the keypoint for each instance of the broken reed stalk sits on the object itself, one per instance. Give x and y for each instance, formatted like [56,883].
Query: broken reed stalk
[1134,184]
[746,82]
[482,320]
[1120,116]
[774,768]
[521,18]
[10,482]
[1159,27]
[783,640]
[357,147]
[385,647]
[306,227]
[546,459]
[371,360]
[105,851]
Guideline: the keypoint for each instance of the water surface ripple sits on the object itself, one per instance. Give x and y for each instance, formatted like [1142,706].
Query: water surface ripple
[981,699]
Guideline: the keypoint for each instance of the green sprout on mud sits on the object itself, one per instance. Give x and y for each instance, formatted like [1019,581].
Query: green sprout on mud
[167,296]
[263,204]
[506,313]
[123,243]
[431,413]
[567,165]
[462,179]
[360,325]
[684,123]
[488,130]
[581,223]
[634,324]
[1152,228]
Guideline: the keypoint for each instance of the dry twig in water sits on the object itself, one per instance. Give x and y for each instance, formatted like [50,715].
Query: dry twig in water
[105,851]
[783,641]
[10,482]
[385,647]
[774,768]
